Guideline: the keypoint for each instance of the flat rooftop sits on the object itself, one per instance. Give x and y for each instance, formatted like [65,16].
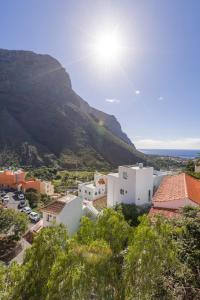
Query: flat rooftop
[135,167]
[114,174]
[66,199]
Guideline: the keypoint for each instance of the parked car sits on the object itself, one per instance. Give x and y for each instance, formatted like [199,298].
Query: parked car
[22,204]
[34,217]
[21,196]
[6,198]
[26,210]
[3,193]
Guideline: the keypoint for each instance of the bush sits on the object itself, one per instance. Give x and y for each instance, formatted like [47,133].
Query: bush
[33,198]
[131,212]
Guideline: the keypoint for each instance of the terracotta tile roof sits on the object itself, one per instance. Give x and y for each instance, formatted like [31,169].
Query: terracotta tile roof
[101,181]
[172,187]
[166,212]
[193,188]
[54,207]
[100,203]
[178,187]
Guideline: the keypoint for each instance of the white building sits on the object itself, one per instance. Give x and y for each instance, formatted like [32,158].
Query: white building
[132,184]
[47,188]
[158,177]
[197,168]
[93,190]
[67,210]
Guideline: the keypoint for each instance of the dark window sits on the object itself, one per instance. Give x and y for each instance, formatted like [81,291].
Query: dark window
[149,195]
[121,191]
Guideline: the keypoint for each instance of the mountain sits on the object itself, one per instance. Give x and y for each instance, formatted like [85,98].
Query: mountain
[43,121]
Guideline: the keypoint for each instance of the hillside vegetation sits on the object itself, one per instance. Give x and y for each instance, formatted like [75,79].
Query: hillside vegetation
[110,260]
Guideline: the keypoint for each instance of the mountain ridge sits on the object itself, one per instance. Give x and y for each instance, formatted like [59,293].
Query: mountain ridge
[45,122]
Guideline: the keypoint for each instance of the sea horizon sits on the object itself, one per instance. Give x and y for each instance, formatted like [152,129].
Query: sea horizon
[182,153]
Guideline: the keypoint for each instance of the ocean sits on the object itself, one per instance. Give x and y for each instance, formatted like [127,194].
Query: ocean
[187,154]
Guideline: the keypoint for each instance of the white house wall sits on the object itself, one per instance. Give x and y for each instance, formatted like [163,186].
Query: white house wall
[144,186]
[127,187]
[71,215]
[113,190]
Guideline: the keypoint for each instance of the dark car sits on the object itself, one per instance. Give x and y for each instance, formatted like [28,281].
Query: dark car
[21,204]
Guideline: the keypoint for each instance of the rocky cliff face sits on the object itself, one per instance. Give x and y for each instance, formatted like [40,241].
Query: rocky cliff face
[43,121]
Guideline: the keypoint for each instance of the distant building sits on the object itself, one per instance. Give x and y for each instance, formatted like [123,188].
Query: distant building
[16,180]
[43,187]
[67,210]
[174,193]
[131,185]
[11,179]
[197,168]
[93,190]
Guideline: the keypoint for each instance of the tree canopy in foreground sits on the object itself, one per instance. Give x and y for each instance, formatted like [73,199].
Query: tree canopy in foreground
[108,259]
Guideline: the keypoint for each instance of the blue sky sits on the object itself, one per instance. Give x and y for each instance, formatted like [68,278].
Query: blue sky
[160,59]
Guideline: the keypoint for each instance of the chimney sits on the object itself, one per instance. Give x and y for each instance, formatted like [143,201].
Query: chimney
[140,165]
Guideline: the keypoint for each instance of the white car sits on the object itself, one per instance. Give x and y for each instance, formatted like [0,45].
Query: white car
[26,210]
[6,198]
[21,196]
[34,216]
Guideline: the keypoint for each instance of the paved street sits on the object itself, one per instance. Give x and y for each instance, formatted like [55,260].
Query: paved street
[13,203]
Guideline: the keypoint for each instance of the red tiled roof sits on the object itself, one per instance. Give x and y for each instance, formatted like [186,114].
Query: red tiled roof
[193,188]
[166,212]
[54,207]
[177,187]
[172,187]
[101,181]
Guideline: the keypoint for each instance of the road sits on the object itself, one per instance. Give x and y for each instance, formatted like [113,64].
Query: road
[12,203]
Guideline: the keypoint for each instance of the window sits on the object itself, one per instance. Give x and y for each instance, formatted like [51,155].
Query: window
[121,191]
[89,193]
[85,192]
[126,192]
[149,196]
[80,191]
[48,218]
[95,193]
[125,175]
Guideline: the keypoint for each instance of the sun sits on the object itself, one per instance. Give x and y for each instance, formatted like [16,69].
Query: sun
[107,48]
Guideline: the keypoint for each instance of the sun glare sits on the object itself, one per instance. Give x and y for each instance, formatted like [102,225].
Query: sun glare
[107,48]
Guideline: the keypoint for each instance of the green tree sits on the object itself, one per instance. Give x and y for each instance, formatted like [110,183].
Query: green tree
[151,253]
[33,198]
[109,226]
[112,227]
[82,272]
[39,259]
[12,223]
[190,166]
[131,212]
